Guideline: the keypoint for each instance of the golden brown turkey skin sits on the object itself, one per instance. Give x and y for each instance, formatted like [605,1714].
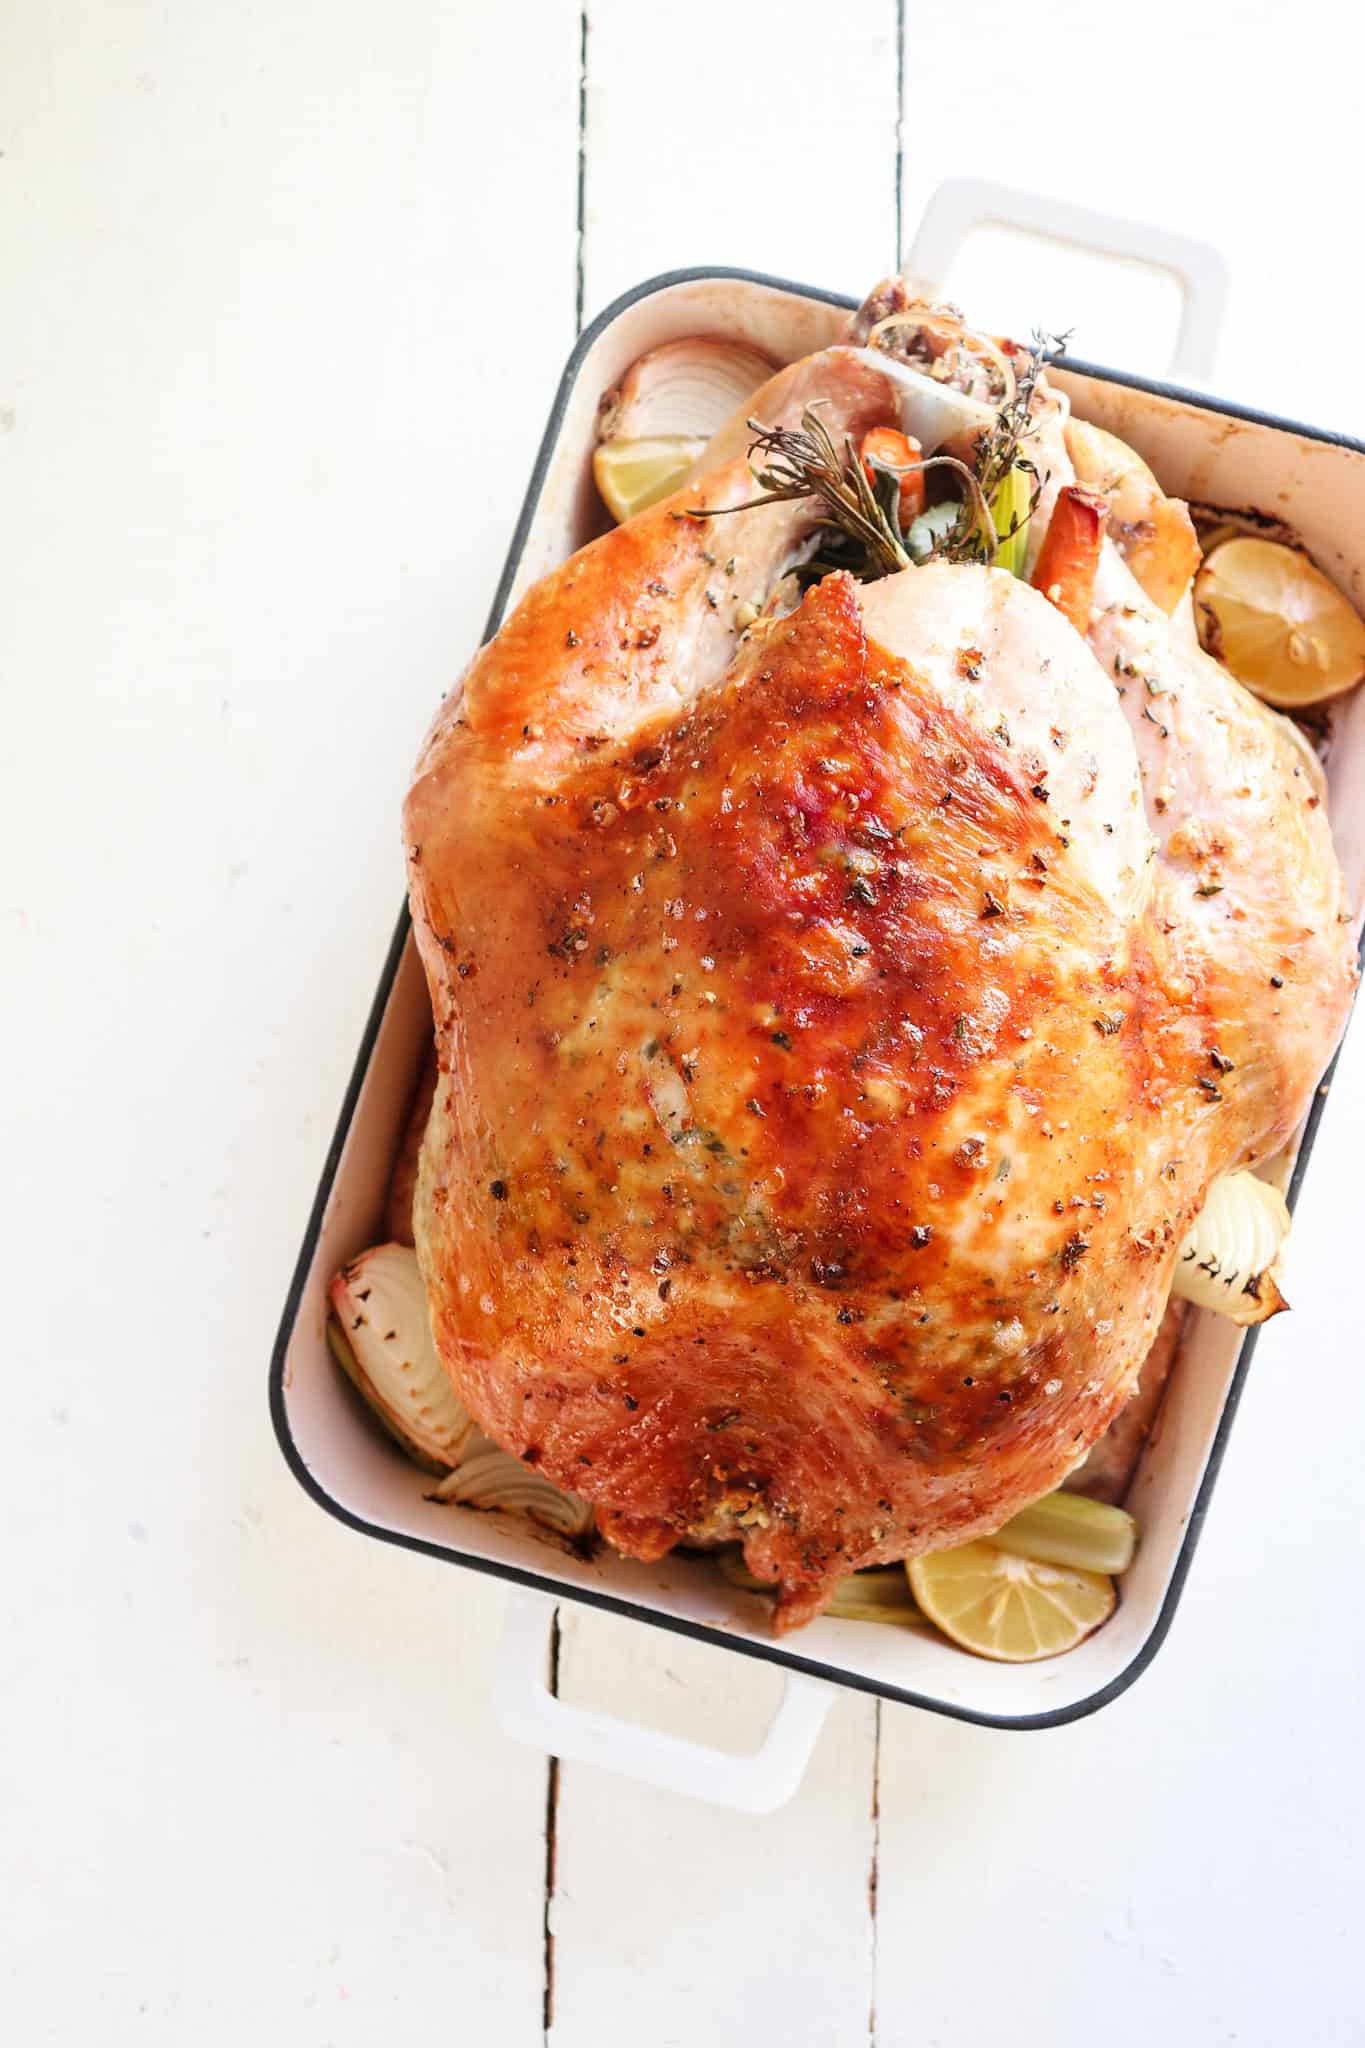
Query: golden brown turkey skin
[792,1183]
[833,1046]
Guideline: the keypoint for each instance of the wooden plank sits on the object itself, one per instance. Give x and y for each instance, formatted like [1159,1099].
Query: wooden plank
[287,291]
[701,1949]
[1146,1872]
[1039,113]
[761,136]
[699,1912]
[1183,1866]
[674,1922]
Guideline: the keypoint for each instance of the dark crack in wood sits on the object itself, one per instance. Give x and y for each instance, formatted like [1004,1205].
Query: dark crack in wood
[872,1875]
[581,228]
[900,129]
[551,1844]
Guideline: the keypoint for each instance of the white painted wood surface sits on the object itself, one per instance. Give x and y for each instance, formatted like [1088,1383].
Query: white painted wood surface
[674,1922]
[286,292]
[727,84]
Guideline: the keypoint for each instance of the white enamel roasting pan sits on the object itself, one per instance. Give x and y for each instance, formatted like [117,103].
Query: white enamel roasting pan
[1200,449]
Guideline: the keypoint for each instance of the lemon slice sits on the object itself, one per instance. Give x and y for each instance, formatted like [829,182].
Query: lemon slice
[634,474]
[1277,623]
[1010,1608]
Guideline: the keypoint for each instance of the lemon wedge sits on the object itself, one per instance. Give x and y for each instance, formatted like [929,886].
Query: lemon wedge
[1277,623]
[1012,1609]
[632,475]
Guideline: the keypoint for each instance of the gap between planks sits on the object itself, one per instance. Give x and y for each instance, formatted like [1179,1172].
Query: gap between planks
[547,2010]
[872,1874]
[582,200]
[900,141]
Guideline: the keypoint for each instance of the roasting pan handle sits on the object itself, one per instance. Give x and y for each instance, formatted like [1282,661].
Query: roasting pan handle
[530,1713]
[960,205]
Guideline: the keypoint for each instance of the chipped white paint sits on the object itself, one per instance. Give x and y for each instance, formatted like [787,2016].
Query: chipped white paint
[288,291]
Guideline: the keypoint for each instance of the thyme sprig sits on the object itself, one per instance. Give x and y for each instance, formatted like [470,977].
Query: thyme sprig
[803,462]
[974,538]
[999,449]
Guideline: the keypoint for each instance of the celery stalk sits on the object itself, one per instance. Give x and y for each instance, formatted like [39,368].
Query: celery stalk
[1010,503]
[1068,1529]
[880,1593]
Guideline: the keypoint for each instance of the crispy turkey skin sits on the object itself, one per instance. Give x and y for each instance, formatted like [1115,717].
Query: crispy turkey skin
[836,1036]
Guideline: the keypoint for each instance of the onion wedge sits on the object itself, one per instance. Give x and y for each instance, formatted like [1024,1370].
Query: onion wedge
[381,1338]
[1229,1260]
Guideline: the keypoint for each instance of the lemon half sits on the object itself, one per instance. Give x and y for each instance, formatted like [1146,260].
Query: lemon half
[1010,1608]
[1278,623]
[632,475]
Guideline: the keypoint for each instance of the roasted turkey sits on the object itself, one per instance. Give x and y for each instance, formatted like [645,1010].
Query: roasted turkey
[843,1012]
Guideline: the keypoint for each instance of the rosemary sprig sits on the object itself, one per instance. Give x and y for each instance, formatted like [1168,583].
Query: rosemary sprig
[803,462]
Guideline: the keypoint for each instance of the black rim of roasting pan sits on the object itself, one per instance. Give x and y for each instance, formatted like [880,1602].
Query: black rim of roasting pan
[769,1652]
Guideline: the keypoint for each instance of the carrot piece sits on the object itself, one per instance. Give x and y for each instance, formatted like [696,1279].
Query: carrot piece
[887,448]
[1070,554]
[1154,533]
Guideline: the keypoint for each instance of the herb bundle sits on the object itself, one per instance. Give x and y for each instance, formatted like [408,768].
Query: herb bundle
[862,531]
